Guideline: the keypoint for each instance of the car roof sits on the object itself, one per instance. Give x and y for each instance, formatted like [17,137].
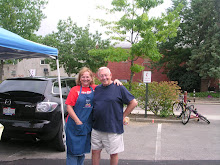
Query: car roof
[40,78]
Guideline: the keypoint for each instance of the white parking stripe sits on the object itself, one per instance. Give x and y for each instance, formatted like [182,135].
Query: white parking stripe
[158,143]
[212,117]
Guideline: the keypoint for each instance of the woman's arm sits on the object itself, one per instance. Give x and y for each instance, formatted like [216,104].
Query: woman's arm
[73,115]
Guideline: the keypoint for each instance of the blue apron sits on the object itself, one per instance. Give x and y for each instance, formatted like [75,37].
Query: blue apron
[78,137]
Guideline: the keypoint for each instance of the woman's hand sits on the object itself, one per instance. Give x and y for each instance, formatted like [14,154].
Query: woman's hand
[117,82]
[78,122]
[73,115]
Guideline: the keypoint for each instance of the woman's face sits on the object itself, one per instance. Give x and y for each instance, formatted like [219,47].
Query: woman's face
[85,79]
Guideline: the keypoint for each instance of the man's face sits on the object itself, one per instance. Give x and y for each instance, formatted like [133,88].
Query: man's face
[105,77]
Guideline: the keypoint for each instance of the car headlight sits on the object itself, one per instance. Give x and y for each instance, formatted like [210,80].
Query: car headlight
[46,106]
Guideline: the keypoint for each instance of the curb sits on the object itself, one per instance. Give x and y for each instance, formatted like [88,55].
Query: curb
[207,103]
[152,120]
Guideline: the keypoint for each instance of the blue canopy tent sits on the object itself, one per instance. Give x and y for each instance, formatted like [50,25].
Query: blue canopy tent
[13,46]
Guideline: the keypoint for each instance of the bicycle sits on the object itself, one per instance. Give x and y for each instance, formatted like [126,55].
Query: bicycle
[186,112]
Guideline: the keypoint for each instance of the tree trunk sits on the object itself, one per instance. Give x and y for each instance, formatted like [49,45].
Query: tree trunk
[204,85]
[131,76]
[1,70]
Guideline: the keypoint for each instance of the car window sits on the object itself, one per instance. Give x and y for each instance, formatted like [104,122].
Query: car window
[64,88]
[70,83]
[36,86]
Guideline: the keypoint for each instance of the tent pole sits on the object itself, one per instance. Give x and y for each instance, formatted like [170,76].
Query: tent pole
[61,98]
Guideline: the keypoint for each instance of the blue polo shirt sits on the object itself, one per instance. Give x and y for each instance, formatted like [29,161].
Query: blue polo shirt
[108,108]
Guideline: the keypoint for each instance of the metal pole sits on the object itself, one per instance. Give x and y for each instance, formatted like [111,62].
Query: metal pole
[61,98]
[194,95]
[185,96]
[146,101]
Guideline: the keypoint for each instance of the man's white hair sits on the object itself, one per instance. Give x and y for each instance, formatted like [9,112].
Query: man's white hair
[101,68]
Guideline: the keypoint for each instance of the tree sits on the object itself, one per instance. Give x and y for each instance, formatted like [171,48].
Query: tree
[187,80]
[22,17]
[73,43]
[142,32]
[197,43]
[176,50]
[204,33]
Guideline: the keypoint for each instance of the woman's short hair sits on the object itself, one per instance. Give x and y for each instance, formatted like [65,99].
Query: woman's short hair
[83,70]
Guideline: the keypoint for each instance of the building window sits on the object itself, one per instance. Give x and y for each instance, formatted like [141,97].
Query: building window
[44,62]
[13,73]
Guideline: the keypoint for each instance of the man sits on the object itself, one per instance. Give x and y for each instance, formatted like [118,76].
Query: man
[108,117]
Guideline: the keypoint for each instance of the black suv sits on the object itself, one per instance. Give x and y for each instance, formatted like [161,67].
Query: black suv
[30,107]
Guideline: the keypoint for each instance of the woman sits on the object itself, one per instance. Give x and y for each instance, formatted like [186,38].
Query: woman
[79,123]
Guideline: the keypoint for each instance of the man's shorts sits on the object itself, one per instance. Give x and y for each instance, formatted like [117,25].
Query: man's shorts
[112,142]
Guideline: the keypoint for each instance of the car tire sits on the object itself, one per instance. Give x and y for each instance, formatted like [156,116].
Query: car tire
[60,140]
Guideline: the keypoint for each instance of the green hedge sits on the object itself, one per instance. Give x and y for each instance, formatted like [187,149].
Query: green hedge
[206,94]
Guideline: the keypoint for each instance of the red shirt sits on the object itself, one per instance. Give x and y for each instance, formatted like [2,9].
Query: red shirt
[74,93]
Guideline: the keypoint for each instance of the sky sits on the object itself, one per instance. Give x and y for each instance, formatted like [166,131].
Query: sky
[80,11]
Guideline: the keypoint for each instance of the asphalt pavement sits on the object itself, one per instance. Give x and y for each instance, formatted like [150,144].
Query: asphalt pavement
[160,146]
[106,162]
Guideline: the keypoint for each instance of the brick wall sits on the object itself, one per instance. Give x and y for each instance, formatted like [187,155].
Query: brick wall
[121,70]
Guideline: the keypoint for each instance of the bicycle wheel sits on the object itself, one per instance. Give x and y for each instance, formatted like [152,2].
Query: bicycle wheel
[204,119]
[185,115]
[177,109]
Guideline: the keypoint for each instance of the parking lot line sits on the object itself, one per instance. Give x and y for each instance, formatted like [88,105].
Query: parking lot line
[158,142]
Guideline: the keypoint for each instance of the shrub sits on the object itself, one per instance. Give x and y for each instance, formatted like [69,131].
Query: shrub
[160,96]
[206,94]
[139,92]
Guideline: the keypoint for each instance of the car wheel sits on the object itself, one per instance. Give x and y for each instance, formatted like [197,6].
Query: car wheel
[60,140]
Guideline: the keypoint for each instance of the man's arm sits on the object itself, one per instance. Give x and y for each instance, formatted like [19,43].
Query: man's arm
[133,103]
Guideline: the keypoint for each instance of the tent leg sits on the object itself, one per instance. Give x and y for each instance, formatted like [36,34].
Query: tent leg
[61,99]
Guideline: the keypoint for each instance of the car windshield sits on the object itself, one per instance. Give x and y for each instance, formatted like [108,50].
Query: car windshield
[36,86]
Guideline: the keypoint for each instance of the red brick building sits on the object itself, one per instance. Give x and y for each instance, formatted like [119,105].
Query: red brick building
[121,71]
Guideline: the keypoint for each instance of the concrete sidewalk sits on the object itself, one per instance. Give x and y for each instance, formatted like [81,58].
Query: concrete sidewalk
[155,119]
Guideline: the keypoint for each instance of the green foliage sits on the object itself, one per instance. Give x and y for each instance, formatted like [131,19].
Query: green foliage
[97,82]
[22,17]
[197,43]
[188,81]
[160,96]
[175,50]
[139,92]
[204,32]
[206,94]
[74,43]
[137,68]
[111,54]
[135,26]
